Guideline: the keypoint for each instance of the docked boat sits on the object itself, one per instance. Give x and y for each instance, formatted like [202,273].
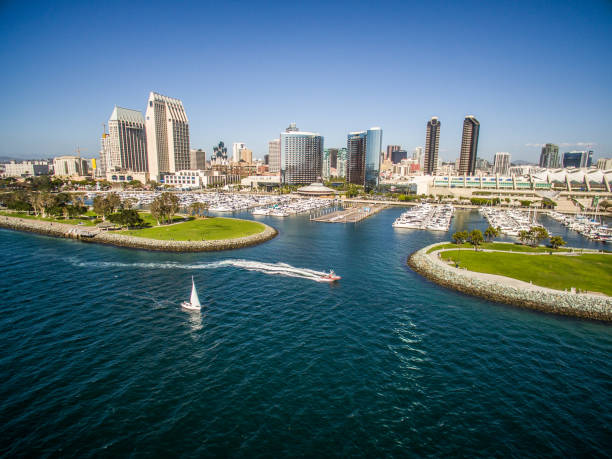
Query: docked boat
[194,302]
[330,277]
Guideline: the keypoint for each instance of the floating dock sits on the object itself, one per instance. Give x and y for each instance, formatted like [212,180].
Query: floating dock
[351,214]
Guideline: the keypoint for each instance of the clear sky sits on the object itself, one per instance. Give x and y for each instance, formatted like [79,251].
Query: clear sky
[532,72]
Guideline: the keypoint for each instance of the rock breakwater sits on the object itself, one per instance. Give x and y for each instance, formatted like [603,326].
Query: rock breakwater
[90,234]
[511,291]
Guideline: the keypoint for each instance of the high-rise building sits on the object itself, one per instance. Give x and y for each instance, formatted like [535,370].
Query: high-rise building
[301,155]
[167,135]
[373,157]
[589,158]
[469,146]
[342,160]
[549,158]
[398,155]
[432,141]
[333,157]
[197,159]
[246,155]
[501,164]
[417,155]
[364,150]
[575,159]
[105,153]
[236,147]
[274,155]
[356,144]
[391,149]
[128,141]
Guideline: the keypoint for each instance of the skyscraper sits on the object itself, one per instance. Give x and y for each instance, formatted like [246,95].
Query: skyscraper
[127,141]
[236,147]
[364,150]
[333,158]
[432,140]
[274,155]
[373,155]
[469,146]
[356,143]
[167,135]
[501,163]
[549,158]
[301,156]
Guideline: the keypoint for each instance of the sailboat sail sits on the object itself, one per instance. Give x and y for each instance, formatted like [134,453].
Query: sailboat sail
[195,301]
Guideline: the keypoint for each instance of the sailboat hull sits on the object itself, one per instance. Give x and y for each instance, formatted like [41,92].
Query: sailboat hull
[191,307]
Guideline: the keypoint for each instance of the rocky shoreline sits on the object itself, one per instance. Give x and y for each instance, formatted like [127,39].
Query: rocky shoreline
[510,291]
[90,234]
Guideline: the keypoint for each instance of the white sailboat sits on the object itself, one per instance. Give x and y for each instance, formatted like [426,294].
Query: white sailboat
[194,302]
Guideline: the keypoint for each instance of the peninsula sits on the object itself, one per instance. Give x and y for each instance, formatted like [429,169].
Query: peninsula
[186,234]
[573,282]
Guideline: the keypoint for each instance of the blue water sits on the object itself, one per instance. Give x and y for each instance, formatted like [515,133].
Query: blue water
[98,359]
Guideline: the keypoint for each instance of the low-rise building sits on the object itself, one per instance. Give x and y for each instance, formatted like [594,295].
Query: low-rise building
[26,168]
[199,179]
[69,166]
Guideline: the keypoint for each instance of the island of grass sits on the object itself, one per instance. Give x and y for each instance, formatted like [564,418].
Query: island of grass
[196,229]
[586,272]
[568,281]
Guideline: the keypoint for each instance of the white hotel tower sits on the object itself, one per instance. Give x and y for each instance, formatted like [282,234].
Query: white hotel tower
[127,147]
[167,135]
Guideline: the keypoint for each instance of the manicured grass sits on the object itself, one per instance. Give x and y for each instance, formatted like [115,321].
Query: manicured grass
[69,221]
[199,229]
[591,272]
[507,246]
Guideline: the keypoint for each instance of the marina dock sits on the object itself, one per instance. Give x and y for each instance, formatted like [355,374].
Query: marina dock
[351,214]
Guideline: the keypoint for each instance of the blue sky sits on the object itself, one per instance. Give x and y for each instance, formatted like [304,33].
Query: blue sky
[532,72]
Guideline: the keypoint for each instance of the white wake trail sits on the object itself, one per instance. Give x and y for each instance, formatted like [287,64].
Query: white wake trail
[279,269]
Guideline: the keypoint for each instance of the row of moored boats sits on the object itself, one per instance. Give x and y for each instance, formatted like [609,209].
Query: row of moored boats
[426,217]
[292,207]
[510,221]
[590,228]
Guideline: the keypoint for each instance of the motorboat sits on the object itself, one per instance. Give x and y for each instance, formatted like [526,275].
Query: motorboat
[194,302]
[330,277]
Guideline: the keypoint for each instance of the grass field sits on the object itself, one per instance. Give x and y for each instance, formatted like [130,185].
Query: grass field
[507,246]
[69,221]
[591,272]
[198,229]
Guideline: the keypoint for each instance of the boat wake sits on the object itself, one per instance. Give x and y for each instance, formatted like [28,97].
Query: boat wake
[278,269]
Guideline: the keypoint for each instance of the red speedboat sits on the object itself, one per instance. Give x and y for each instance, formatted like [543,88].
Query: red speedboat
[331,277]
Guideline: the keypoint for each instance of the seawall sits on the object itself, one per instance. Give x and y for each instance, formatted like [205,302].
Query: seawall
[90,234]
[511,291]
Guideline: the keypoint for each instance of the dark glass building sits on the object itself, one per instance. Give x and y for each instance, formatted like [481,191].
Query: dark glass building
[432,140]
[469,146]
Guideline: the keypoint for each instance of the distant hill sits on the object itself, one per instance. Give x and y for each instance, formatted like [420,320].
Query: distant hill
[521,162]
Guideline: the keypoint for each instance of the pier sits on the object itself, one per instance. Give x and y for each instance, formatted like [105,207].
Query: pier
[352,214]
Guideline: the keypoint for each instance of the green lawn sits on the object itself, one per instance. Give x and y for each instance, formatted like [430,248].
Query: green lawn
[591,272]
[507,246]
[70,221]
[199,229]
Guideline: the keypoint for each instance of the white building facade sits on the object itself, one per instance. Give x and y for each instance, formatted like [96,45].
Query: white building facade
[167,131]
[501,163]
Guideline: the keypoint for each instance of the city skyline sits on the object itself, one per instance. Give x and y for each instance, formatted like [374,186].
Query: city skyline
[503,75]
